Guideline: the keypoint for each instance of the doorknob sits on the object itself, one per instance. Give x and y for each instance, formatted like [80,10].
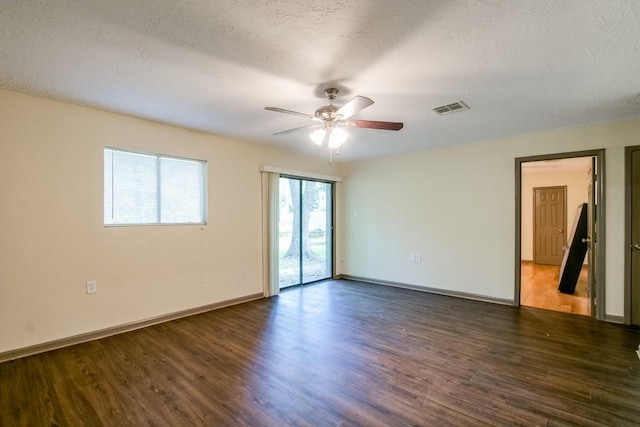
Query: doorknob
[560,230]
[589,241]
[636,247]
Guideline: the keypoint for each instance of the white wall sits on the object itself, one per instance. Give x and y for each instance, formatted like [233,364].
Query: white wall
[52,237]
[456,207]
[574,178]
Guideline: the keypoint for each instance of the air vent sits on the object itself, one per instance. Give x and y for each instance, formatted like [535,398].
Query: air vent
[451,108]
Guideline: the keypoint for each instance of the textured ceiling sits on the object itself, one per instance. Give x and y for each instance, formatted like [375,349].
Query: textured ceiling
[214,65]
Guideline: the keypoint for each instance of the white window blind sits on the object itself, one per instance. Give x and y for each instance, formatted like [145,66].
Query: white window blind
[152,189]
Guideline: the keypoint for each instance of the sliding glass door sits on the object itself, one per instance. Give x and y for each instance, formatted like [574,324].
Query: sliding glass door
[305,231]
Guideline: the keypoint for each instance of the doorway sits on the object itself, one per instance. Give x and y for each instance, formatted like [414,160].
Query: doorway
[543,227]
[632,236]
[305,229]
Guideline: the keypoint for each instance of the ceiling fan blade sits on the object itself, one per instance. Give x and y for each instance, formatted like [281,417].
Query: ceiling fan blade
[284,132]
[352,107]
[295,113]
[372,124]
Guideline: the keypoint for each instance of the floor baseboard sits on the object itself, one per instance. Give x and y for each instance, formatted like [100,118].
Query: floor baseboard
[614,319]
[457,294]
[103,333]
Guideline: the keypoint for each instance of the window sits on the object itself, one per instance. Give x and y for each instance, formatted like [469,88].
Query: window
[153,189]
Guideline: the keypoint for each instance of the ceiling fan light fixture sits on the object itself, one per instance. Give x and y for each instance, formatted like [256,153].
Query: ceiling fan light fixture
[332,118]
[337,137]
[317,136]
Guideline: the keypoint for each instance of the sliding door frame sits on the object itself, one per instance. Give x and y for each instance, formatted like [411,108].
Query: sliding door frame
[328,233]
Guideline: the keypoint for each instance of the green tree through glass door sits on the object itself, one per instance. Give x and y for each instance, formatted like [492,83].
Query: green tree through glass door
[305,231]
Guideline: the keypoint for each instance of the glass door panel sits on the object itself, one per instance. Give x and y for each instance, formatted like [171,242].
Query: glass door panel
[305,231]
[316,242]
[289,233]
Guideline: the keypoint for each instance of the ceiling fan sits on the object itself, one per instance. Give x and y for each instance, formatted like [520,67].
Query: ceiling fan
[332,118]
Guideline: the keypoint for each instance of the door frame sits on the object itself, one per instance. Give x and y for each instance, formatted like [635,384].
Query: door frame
[329,233]
[535,215]
[627,232]
[599,312]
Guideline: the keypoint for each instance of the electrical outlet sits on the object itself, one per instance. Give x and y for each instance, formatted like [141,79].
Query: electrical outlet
[92,286]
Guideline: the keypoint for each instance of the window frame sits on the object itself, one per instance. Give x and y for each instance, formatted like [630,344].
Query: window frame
[158,157]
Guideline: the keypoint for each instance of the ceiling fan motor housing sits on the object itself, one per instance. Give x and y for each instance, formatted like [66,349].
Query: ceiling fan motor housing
[328,112]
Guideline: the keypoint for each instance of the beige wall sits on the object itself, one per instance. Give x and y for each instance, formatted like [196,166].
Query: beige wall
[52,237]
[453,206]
[574,178]
[456,207]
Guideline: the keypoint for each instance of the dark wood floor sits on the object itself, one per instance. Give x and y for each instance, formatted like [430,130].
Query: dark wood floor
[339,353]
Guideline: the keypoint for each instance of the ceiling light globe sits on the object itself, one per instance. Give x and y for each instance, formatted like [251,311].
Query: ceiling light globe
[317,136]
[337,138]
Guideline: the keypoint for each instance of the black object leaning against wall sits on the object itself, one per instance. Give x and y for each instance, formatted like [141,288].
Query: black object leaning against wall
[574,254]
